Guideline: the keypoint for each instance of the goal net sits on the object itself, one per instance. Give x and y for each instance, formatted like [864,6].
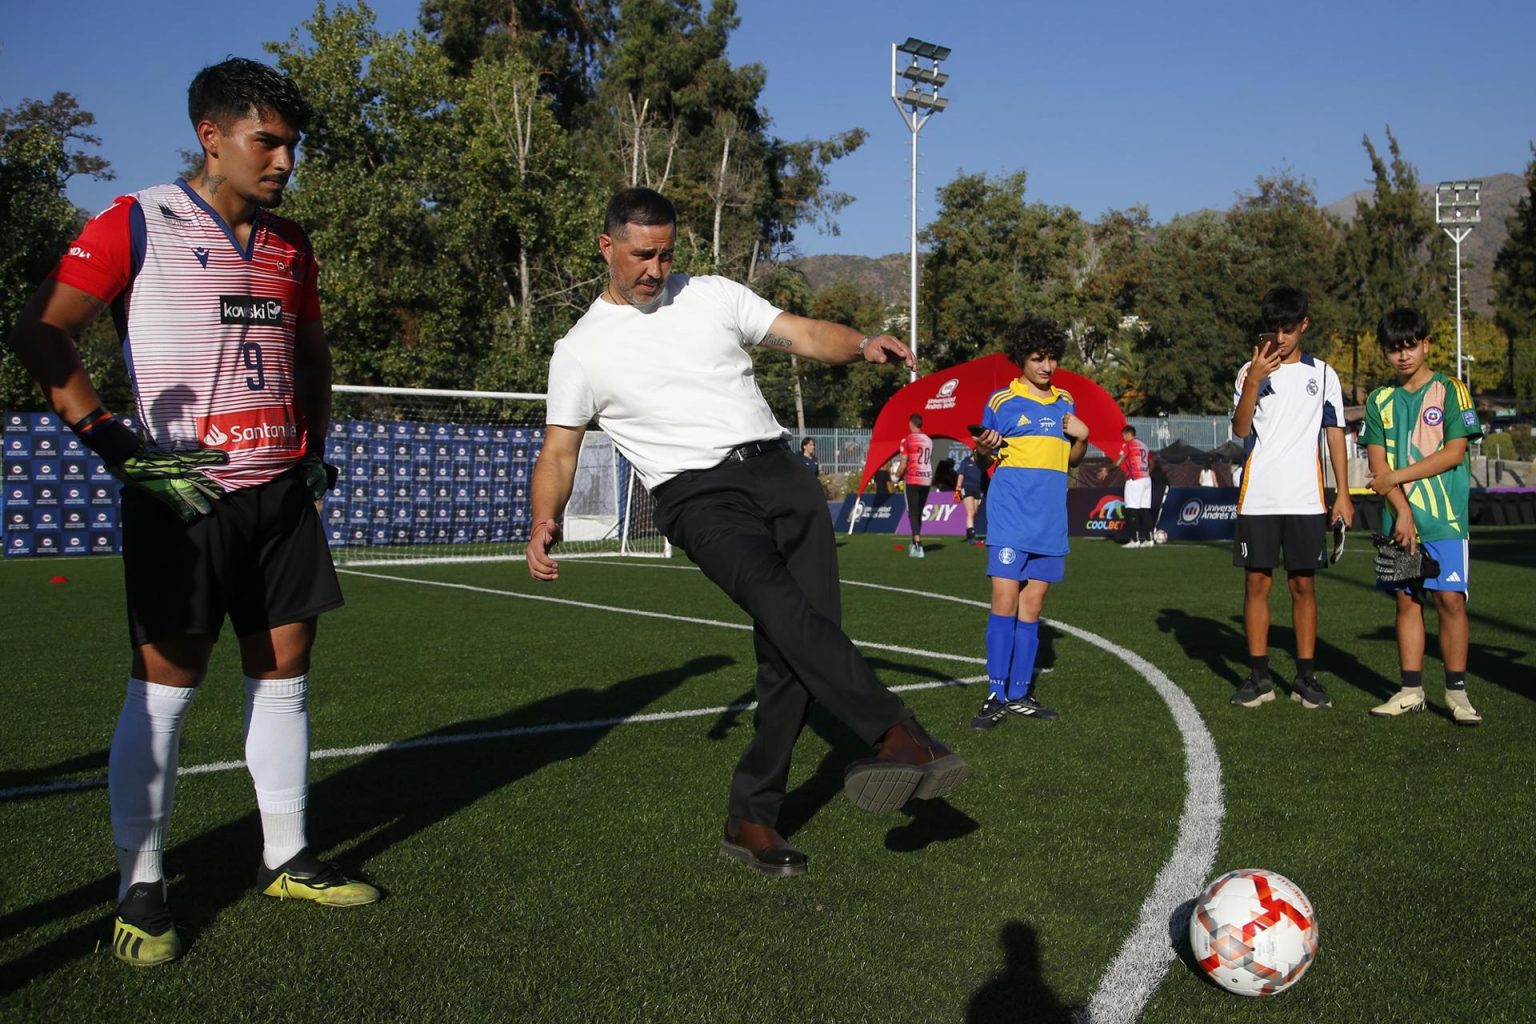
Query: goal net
[445,476]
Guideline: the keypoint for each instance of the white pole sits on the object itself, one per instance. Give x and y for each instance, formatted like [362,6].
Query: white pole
[1458,237]
[913,302]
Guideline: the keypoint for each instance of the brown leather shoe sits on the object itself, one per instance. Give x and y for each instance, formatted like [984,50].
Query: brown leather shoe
[911,765]
[760,848]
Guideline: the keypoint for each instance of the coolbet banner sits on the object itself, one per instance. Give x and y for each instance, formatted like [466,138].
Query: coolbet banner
[1186,513]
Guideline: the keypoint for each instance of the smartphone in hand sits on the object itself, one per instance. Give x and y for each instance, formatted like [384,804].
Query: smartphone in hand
[1269,343]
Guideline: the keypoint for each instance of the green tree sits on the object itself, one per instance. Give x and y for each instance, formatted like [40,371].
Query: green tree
[1515,291]
[1392,254]
[1106,326]
[992,257]
[1200,307]
[402,307]
[40,150]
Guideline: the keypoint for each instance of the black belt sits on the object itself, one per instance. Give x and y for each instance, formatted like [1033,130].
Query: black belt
[752,449]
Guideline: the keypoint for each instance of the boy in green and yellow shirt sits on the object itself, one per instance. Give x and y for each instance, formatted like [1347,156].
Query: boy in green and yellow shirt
[1416,440]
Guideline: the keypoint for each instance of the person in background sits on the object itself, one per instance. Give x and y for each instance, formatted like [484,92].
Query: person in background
[914,466]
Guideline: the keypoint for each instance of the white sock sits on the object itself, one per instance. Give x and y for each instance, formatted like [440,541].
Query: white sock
[141,777]
[277,756]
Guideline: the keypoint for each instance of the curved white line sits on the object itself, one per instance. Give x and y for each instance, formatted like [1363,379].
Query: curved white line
[1139,966]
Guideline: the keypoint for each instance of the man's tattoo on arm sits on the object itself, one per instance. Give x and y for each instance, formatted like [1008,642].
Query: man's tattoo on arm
[775,341]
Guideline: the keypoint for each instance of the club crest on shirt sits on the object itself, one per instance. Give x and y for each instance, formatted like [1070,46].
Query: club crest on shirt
[1433,416]
[1312,386]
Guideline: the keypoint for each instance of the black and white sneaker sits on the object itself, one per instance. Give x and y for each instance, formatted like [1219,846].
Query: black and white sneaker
[992,712]
[1309,693]
[1254,692]
[1028,707]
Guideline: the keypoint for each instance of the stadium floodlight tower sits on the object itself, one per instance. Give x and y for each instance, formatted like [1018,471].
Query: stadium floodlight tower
[915,91]
[1456,211]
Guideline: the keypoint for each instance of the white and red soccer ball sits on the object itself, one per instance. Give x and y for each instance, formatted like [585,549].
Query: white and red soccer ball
[1253,932]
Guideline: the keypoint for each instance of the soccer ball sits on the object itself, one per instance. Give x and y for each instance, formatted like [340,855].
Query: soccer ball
[1159,536]
[1253,932]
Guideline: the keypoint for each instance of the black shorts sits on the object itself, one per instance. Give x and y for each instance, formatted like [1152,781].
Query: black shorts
[917,500]
[1260,539]
[261,558]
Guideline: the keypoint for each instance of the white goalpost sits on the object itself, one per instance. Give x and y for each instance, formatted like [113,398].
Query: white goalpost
[433,475]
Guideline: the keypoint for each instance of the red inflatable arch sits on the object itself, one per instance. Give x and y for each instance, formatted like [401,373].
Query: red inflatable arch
[950,400]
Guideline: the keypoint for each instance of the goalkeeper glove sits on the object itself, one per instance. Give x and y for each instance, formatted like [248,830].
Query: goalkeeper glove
[319,475]
[175,479]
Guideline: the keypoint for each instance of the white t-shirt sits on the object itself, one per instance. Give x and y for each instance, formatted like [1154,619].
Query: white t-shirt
[1282,464]
[675,388]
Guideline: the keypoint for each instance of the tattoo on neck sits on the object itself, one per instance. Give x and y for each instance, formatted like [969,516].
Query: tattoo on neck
[774,341]
[213,182]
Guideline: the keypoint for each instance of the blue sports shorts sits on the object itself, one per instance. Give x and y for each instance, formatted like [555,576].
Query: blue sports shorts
[1012,564]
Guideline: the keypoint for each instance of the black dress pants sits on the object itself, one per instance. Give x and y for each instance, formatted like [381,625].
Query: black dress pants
[760,531]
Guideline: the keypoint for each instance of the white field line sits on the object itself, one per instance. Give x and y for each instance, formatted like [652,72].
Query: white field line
[1140,964]
[1138,968]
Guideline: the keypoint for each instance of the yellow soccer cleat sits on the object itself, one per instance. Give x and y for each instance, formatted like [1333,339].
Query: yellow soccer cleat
[1404,701]
[305,877]
[143,933]
[1461,708]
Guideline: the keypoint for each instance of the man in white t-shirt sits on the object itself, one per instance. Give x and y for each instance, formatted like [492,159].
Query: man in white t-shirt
[1285,399]
[660,363]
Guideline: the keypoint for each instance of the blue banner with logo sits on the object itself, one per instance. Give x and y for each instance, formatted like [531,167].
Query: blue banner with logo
[58,498]
[1199,513]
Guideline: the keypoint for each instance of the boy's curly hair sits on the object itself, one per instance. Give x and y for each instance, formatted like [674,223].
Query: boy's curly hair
[1031,335]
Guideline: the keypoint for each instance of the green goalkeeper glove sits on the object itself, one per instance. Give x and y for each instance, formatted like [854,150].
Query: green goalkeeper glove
[319,475]
[175,479]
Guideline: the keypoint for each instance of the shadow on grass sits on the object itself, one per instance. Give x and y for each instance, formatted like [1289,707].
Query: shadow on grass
[1018,992]
[373,804]
[95,763]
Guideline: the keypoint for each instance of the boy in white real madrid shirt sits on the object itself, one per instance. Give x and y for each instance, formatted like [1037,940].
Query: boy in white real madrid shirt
[1284,399]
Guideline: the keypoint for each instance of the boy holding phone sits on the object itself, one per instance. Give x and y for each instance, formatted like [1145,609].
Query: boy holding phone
[1284,399]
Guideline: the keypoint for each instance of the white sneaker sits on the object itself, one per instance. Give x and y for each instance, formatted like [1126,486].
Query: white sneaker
[1405,701]
[1461,708]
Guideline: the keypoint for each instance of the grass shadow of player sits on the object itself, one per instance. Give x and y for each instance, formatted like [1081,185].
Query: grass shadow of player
[1018,992]
[1338,662]
[1504,667]
[360,810]
[95,762]
[1213,644]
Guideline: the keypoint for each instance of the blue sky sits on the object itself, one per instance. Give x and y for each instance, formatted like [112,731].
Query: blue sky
[1178,105]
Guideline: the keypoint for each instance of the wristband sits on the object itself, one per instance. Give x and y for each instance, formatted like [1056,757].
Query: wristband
[867,339]
[107,436]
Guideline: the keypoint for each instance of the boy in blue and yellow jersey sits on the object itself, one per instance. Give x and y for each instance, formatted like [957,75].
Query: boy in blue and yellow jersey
[1033,428]
[1416,438]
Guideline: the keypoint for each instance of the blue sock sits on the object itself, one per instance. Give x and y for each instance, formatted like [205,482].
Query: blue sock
[999,653]
[1026,644]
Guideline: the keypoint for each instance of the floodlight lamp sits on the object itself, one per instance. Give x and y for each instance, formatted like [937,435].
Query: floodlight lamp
[916,73]
[912,45]
[927,50]
[941,53]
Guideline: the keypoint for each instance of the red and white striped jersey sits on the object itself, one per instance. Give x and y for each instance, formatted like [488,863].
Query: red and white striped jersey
[207,326]
[917,449]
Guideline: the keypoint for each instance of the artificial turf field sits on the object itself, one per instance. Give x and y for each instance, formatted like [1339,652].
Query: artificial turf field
[571,874]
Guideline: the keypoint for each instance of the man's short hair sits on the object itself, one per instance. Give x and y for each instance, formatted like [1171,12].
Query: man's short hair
[642,206]
[1283,308]
[1033,335]
[224,93]
[915,420]
[1402,328]
[1128,429]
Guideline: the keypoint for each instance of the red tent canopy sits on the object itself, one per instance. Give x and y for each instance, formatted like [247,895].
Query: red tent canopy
[950,400]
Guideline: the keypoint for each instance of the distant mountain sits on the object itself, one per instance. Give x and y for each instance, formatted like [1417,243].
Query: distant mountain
[1499,194]
[887,277]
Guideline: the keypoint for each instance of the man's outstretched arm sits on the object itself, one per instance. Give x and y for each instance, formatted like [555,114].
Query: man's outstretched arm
[835,344]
